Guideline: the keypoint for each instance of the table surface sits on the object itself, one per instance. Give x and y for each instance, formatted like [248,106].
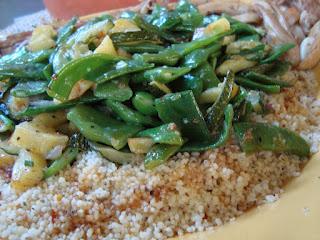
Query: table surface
[11,9]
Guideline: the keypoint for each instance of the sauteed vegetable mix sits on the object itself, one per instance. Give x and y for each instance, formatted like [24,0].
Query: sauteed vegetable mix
[139,86]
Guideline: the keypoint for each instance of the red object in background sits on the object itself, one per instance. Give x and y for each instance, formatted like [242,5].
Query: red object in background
[65,9]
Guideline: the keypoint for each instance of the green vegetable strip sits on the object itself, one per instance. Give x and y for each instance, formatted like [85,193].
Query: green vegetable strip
[130,116]
[123,68]
[220,141]
[98,127]
[200,56]
[159,154]
[141,48]
[22,70]
[266,79]
[257,86]
[61,163]
[215,113]
[140,37]
[254,137]
[36,108]
[162,74]
[167,57]
[278,51]
[117,90]
[30,88]
[182,109]
[89,68]
[166,134]
[65,32]
[144,103]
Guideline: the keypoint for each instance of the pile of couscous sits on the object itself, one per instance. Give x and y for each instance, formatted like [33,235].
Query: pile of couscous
[95,199]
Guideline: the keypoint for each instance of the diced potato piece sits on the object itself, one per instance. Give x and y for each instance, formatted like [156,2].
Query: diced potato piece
[228,39]
[124,25]
[80,88]
[27,170]
[42,38]
[140,145]
[106,46]
[6,160]
[36,138]
[51,120]
[235,64]
[235,90]
[210,95]
[221,25]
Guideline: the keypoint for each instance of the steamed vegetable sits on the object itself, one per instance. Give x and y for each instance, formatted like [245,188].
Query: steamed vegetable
[139,86]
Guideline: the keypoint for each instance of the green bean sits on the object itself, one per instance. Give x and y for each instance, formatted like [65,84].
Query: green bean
[277,52]
[66,31]
[139,37]
[98,127]
[144,103]
[45,106]
[200,56]
[167,57]
[117,90]
[258,86]
[161,74]
[182,109]
[29,88]
[166,134]
[62,162]
[215,112]
[266,79]
[130,116]
[221,140]
[254,137]
[141,48]
[159,154]
[48,71]
[25,70]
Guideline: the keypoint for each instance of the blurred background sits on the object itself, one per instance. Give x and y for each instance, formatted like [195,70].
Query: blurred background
[62,9]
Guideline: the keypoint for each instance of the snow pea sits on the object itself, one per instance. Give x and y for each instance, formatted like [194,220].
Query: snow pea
[130,116]
[23,56]
[182,109]
[117,89]
[139,37]
[10,58]
[159,154]
[141,48]
[66,31]
[89,68]
[166,134]
[161,74]
[190,16]
[168,57]
[185,48]
[164,19]
[68,156]
[98,127]
[199,56]
[254,137]
[141,23]
[29,88]
[6,124]
[123,68]
[266,79]
[144,103]
[277,52]
[207,73]
[22,70]
[48,71]
[215,112]
[44,106]
[257,86]
[219,141]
